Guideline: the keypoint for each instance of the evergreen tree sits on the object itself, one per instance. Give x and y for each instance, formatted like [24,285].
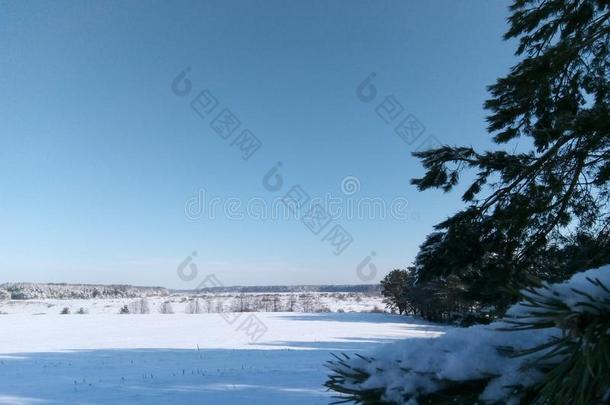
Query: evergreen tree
[529,216]
[522,206]
[552,348]
[392,288]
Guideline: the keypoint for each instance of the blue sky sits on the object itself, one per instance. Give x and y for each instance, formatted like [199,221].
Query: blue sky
[98,156]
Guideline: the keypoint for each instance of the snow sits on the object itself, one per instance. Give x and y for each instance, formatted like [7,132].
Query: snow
[460,354]
[570,291]
[83,291]
[211,302]
[409,368]
[102,358]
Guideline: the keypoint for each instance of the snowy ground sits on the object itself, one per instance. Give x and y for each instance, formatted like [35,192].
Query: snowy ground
[253,358]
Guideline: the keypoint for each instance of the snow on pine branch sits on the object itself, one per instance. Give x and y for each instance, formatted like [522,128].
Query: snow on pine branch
[535,344]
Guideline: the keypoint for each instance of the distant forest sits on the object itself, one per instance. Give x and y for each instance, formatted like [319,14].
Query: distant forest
[25,291]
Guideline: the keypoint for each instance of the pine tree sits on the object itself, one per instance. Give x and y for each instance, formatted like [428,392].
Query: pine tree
[552,348]
[521,206]
[532,215]
[392,288]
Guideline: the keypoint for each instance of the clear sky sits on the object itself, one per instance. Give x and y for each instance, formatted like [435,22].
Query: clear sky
[99,157]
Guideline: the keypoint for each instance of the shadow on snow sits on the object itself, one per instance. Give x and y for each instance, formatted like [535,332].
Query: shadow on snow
[162,376]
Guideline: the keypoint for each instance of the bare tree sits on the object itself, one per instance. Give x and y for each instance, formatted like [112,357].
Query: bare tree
[166,308]
[194,307]
[276,303]
[292,301]
[140,306]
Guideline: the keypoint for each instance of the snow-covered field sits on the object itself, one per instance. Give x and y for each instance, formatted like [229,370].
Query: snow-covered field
[208,358]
